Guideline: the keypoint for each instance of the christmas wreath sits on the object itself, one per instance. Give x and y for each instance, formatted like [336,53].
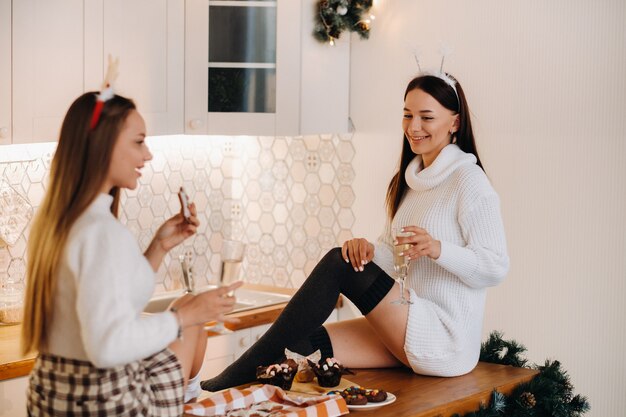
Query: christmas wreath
[549,394]
[335,16]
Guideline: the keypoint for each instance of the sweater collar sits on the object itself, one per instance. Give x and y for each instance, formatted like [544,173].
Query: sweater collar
[102,203]
[449,159]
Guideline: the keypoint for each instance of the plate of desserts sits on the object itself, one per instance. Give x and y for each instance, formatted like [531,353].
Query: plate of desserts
[359,398]
[319,376]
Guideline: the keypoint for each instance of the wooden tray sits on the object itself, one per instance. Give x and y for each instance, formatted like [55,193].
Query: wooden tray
[313,387]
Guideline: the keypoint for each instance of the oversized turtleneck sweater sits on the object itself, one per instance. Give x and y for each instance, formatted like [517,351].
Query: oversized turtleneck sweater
[454,202]
[103,284]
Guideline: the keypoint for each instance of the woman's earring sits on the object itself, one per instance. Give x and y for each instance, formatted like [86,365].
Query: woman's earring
[453,136]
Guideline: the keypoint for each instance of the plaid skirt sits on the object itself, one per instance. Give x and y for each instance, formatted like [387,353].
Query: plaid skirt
[69,387]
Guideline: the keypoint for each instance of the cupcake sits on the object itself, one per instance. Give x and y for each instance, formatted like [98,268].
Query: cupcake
[328,372]
[280,375]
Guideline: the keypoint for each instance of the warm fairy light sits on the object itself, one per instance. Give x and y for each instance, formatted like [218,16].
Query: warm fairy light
[372,17]
[332,42]
[367,21]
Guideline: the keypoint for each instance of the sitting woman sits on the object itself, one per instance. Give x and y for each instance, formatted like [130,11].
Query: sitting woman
[457,248]
[88,281]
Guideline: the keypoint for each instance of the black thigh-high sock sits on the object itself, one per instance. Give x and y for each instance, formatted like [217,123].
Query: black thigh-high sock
[299,324]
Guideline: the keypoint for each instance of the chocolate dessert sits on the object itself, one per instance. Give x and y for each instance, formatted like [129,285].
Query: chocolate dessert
[280,375]
[328,372]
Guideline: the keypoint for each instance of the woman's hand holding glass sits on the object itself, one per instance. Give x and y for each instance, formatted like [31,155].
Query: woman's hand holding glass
[421,243]
[212,305]
[357,252]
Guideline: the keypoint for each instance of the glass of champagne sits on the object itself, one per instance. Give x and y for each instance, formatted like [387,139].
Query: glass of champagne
[400,263]
[232,256]
[186,262]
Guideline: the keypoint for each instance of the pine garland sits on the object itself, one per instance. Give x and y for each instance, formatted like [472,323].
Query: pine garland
[335,16]
[549,394]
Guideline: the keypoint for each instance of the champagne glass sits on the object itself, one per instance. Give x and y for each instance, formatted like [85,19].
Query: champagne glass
[186,263]
[232,256]
[401,263]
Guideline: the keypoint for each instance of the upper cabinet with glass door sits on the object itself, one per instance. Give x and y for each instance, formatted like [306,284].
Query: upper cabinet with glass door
[247,70]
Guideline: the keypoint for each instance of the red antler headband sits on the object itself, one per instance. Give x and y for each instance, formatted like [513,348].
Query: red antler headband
[106,93]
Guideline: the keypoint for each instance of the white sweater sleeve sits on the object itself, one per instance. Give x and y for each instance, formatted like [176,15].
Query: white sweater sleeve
[483,262]
[383,250]
[112,328]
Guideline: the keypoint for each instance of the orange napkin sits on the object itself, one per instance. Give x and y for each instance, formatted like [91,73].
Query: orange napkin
[267,399]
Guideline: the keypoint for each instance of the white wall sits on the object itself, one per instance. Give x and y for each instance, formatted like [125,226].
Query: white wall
[546,82]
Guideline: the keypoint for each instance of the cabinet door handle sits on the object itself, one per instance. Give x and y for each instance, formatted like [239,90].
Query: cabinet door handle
[242,342]
[195,123]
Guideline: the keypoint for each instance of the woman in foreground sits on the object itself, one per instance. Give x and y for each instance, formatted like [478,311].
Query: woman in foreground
[88,281]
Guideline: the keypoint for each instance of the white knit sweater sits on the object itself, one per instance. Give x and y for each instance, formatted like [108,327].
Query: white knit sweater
[453,200]
[103,285]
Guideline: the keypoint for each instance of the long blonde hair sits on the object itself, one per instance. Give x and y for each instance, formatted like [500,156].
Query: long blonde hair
[77,174]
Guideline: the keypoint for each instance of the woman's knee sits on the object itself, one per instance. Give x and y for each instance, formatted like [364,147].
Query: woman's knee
[333,257]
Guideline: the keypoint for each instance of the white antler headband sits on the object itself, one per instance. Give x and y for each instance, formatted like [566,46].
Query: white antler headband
[439,73]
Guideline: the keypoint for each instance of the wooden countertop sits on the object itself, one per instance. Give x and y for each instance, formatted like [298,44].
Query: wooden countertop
[13,364]
[425,396]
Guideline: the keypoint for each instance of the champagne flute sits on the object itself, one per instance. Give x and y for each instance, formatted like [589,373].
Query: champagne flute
[232,256]
[186,262]
[401,263]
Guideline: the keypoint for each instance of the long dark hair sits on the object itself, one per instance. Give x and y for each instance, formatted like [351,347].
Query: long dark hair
[444,94]
[78,171]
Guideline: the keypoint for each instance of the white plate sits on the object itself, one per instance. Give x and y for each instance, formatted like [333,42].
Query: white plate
[390,398]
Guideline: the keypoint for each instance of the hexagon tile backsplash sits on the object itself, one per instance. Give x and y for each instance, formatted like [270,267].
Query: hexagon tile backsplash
[288,198]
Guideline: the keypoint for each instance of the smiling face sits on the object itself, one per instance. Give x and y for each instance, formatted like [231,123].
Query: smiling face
[130,153]
[427,125]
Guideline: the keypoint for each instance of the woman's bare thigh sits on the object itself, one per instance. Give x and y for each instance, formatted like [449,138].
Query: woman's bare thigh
[375,341]
[357,346]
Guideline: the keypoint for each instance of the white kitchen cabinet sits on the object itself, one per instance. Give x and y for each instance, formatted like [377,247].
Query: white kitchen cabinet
[247,337]
[5,72]
[222,350]
[57,49]
[13,397]
[324,80]
[148,38]
[219,354]
[52,51]
[47,66]
[253,68]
